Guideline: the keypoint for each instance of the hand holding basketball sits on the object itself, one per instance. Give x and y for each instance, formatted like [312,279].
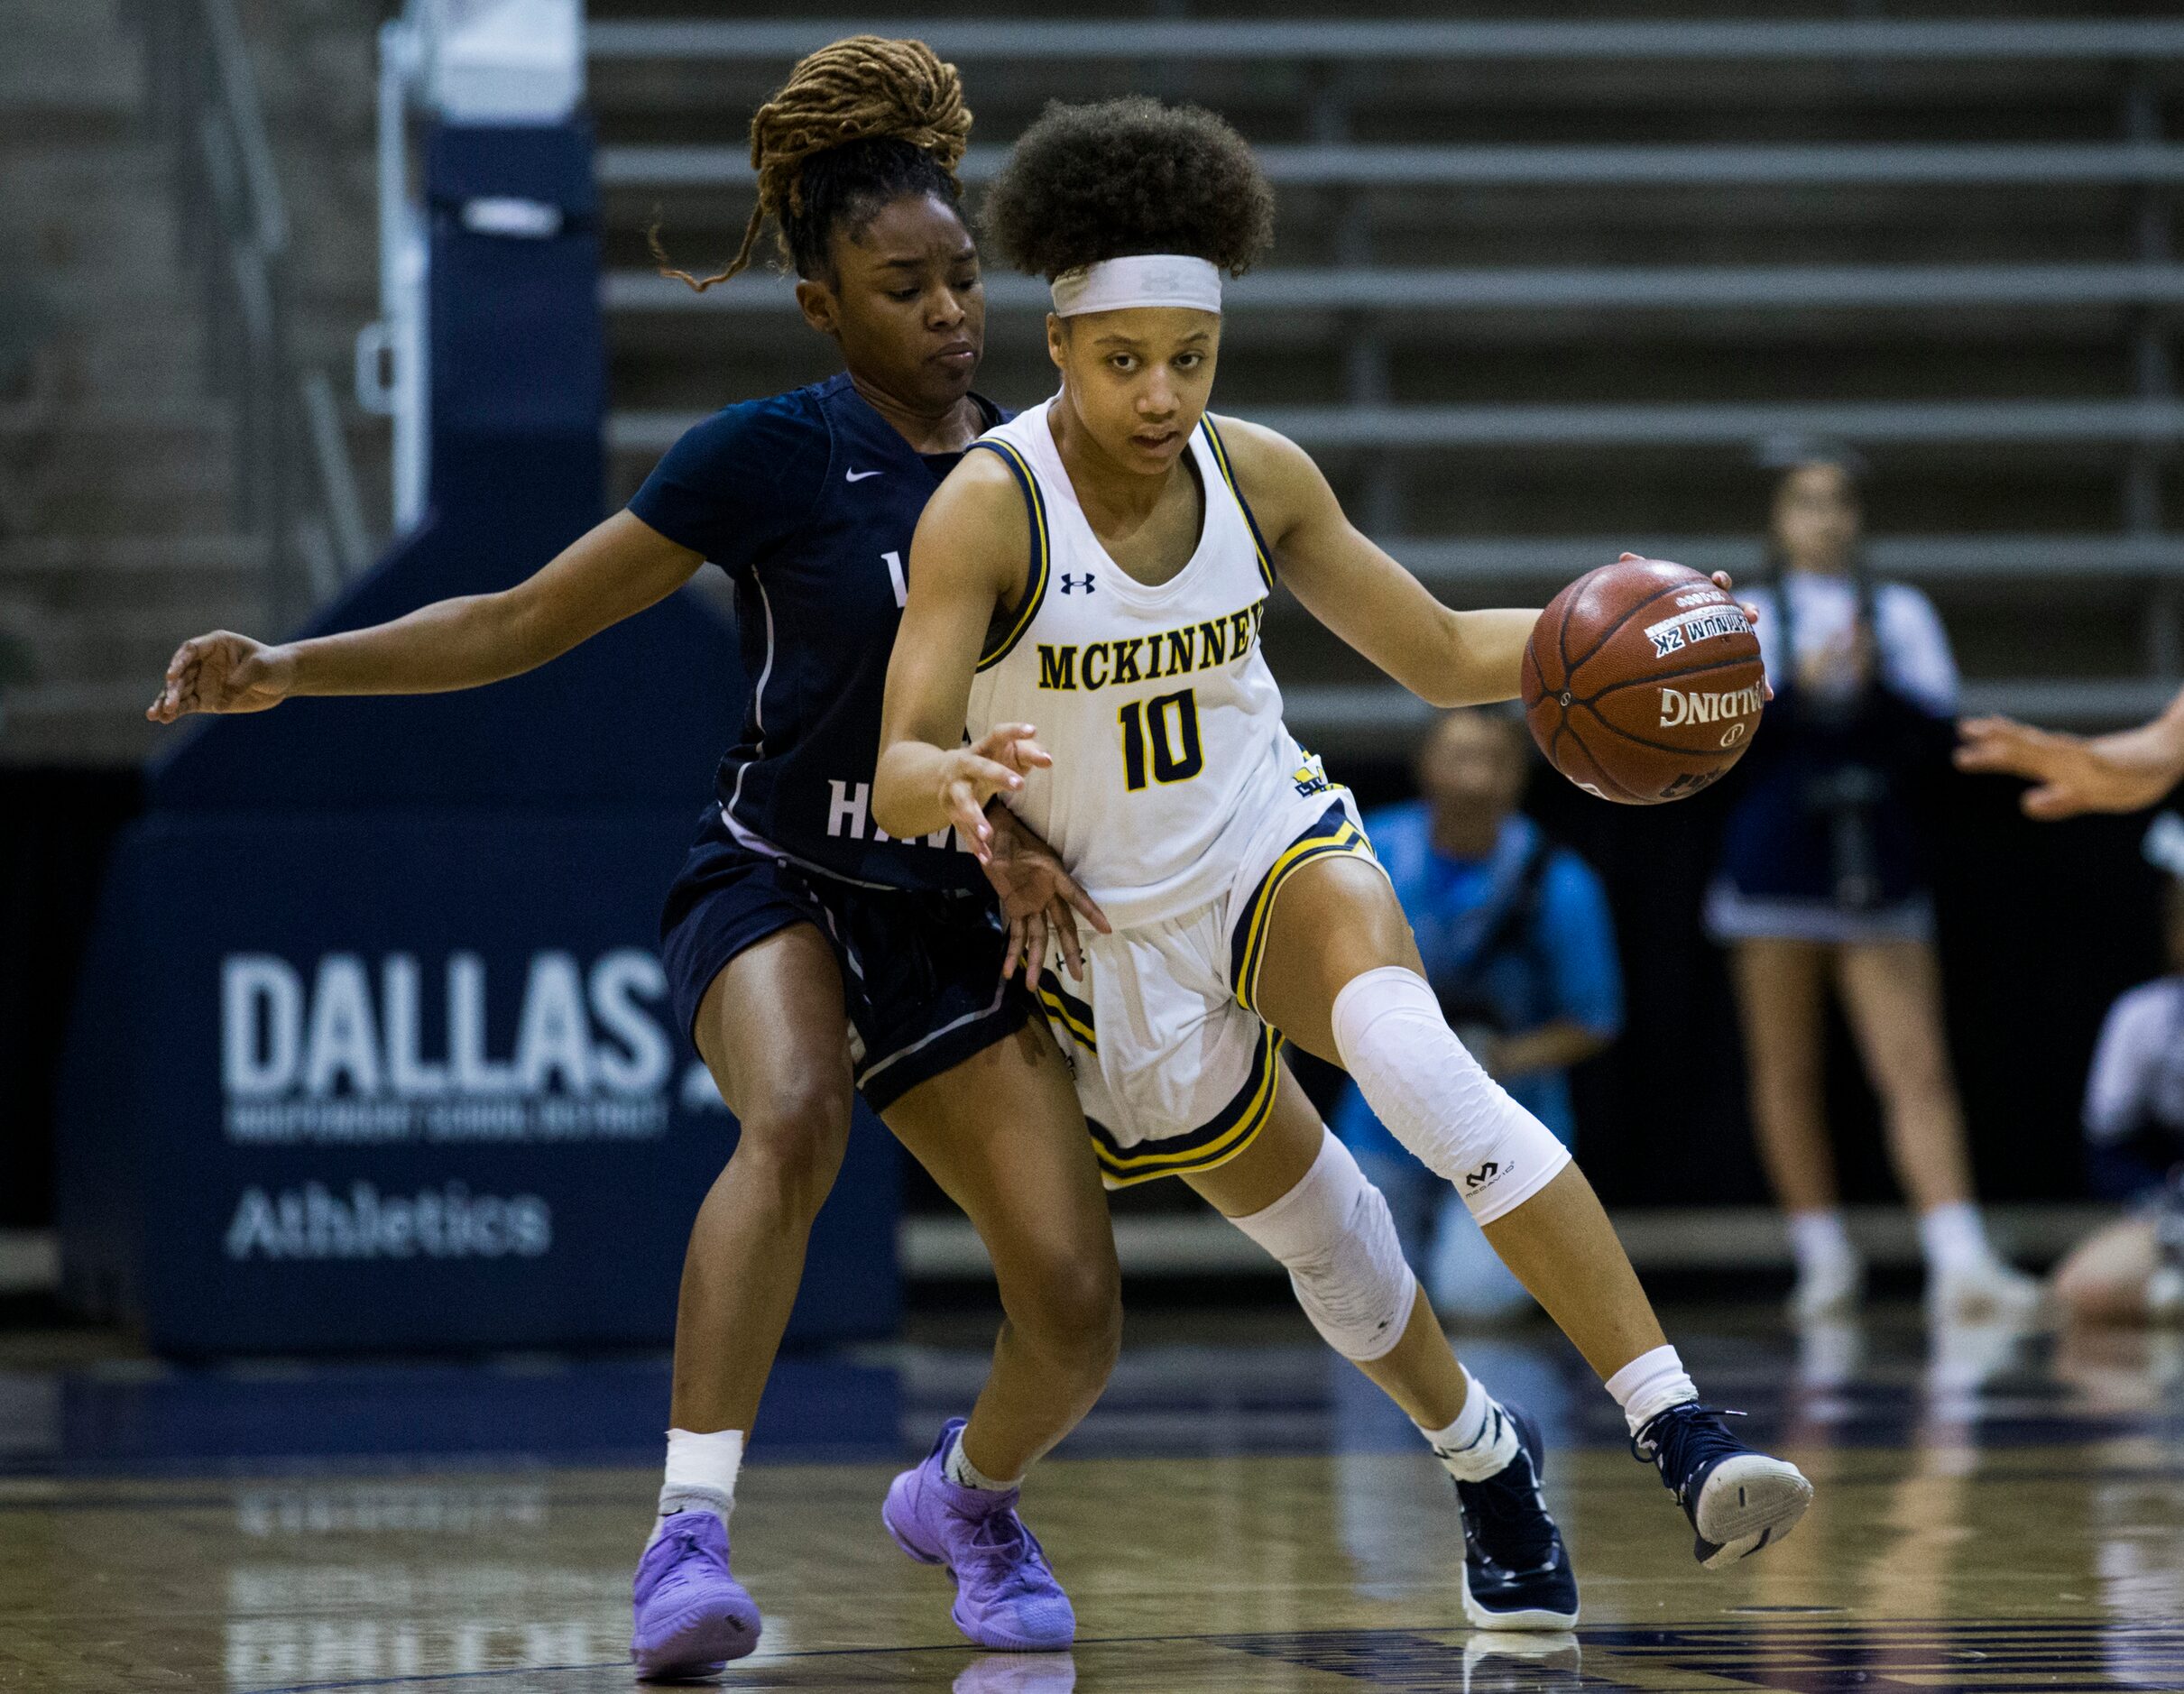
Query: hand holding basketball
[1642,681]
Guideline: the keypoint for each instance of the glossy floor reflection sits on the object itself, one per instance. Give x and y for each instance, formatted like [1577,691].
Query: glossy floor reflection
[1995,1512]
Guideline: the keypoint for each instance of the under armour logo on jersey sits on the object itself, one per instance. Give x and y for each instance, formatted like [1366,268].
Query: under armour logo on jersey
[858,476]
[1070,585]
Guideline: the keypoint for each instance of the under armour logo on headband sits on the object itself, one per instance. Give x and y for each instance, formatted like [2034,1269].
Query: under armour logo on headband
[1144,279]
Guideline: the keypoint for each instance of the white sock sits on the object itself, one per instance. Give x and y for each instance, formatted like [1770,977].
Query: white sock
[1954,1239]
[1481,1441]
[1649,1385]
[959,1469]
[701,1474]
[1819,1240]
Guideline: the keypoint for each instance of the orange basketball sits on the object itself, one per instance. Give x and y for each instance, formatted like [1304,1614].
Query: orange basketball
[1642,682]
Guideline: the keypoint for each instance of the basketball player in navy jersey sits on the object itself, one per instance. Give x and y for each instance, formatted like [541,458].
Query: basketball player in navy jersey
[793,908]
[1100,568]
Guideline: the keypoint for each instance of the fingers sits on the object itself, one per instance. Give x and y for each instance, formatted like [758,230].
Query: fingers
[1016,948]
[1998,746]
[995,778]
[1011,745]
[178,688]
[1064,925]
[1034,955]
[1986,757]
[2050,802]
[967,811]
[1085,904]
[963,796]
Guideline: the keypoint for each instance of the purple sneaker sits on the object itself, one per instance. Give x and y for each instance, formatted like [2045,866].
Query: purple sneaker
[691,1615]
[1004,1595]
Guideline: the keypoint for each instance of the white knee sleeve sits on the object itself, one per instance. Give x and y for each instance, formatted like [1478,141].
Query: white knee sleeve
[1336,1237]
[1435,1098]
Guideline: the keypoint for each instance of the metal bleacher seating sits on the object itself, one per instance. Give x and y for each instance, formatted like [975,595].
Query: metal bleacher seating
[1544,290]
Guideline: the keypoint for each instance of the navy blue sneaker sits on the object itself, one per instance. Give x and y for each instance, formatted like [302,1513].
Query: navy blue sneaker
[1516,1572]
[1737,1500]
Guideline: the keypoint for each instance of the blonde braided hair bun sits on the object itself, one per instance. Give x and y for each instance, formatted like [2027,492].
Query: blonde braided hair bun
[862,87]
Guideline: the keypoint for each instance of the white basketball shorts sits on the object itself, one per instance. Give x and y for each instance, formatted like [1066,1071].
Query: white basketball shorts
[1174,1067]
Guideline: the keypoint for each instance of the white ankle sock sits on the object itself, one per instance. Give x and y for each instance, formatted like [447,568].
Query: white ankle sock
[959,1469]
[1481,1441]
[1818,1241]
[1954,1238]
[1649,1385]
[701,1474]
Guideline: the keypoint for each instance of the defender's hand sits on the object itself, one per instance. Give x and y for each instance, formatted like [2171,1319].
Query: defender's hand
[995,763]
[222,672]
[1039,898]
[2123,772]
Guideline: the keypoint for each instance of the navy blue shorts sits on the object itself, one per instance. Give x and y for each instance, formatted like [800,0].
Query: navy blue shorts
[921,972]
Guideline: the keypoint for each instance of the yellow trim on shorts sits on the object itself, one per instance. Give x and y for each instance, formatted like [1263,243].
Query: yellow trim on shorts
[1348,842]
[1079,1029]
[1126,1169]
[1035,590]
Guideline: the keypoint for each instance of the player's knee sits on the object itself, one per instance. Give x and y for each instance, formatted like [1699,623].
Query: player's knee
[1072,1312]
[1434,1097]
[792,1141]
[2089,1293]
[1334,1234]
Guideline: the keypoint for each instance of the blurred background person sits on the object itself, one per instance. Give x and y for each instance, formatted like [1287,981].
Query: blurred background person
[1518,944]
[1823,886]
[2133,1271]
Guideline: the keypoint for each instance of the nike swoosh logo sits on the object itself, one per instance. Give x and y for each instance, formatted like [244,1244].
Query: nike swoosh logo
[858,476]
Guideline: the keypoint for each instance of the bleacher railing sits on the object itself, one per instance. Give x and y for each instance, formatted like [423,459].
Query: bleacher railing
[294,485]
[1328,66]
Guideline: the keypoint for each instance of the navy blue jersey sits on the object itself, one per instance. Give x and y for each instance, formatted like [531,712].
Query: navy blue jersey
[808,500]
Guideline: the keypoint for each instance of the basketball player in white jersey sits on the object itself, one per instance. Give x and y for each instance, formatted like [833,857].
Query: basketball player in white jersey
[1100,570]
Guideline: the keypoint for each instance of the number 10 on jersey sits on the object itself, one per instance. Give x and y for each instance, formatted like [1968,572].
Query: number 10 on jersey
[1168,723]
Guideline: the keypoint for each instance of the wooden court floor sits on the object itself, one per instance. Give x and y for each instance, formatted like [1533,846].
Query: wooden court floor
[2022,1532]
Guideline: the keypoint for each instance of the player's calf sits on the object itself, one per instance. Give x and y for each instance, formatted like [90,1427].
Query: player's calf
[1335,1236]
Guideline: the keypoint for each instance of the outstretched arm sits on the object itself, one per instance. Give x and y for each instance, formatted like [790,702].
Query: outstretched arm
[1446,658]
[609,573]
[2122,772]
[966,561]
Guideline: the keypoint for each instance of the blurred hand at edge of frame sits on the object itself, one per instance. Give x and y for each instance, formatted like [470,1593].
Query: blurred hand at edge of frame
[2073,774]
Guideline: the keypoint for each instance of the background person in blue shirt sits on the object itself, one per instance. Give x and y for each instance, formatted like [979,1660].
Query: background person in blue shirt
[1518,943]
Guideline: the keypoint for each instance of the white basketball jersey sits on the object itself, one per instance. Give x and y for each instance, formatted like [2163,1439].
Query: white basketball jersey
[1165,723]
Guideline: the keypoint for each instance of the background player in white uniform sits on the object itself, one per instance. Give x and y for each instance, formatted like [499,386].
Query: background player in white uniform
[1214,877]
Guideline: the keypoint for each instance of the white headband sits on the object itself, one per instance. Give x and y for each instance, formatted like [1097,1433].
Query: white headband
[1148,279]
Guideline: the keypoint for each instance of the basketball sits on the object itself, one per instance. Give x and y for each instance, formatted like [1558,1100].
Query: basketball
[1642,682]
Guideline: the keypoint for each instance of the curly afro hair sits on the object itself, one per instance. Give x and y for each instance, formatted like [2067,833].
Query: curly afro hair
[1103,180]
